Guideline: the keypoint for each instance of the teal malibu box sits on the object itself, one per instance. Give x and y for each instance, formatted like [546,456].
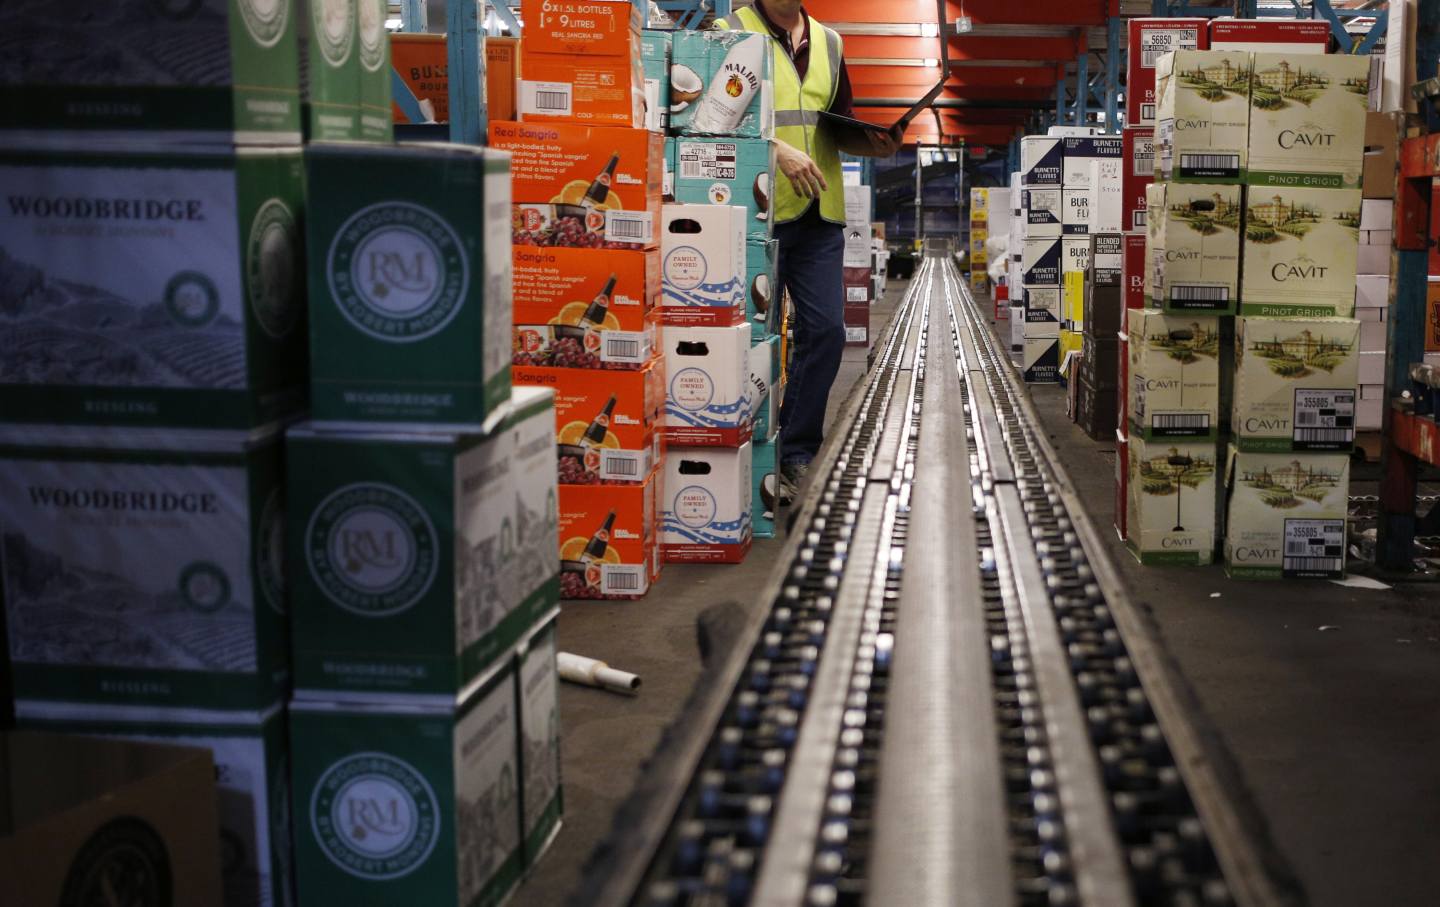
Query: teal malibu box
[409,284]
[762,288]
[539,697]
[418,559]
[409,805]
[152,289]
[720,84]
[142,566]
[252,780]
[655,54]
[764,472]
[727,172]
[207,71]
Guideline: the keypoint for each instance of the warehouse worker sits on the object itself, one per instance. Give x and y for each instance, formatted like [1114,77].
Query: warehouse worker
[808,209]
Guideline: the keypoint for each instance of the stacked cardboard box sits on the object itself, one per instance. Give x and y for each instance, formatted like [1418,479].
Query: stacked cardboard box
[582,61]
[421,61]
[1092,201]
[978,258]
[1013,279]
[1151,39]
[858,265]
[1041,176]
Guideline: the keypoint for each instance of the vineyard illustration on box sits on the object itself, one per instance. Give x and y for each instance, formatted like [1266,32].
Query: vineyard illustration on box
[1277,219]
[1300,355]
[1276,87]
[1284,488]
[496,572]
[58,331]
[1207,216]
[1173,472]
[1186,345]
[1213,83]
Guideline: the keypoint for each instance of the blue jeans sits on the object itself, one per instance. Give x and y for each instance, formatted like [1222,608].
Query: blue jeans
[810,266]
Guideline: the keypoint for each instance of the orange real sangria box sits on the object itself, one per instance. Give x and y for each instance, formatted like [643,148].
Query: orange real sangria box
[607,424]
[585,308]
[559,163]
[608,539]
[592,28]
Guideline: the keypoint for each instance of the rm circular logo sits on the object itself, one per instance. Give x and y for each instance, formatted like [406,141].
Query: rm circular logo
[265,20]
[124,862]
[372,34]
[375,816]
[397,271]
[333,29]
[372,549]
[192,299]
[204,586]
[272,272]
[270,551]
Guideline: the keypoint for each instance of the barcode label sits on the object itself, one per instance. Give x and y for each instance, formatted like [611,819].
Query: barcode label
[707,160]
[1179,425]
[857,294]
[546,97]
[1147,112]
[623,465]
[1137,219]
[1190,296]
[622,579]
[1313,548]
[1156,42]
[856,334]
[1144,161]
[1209,164]
[629,226]
[1324,419]
[625,346]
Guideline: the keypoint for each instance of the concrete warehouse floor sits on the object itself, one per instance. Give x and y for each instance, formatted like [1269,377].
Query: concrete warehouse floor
[1333,733]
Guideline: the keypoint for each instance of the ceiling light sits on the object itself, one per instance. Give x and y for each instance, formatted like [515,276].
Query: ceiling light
[931,62]
[929,30]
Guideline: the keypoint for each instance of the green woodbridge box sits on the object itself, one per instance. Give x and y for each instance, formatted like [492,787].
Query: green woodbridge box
[152,289]
[345,70]
[541,804]
[409,284]
[418,559]
[142,566]
[417,805]
[203,71]
[252,780]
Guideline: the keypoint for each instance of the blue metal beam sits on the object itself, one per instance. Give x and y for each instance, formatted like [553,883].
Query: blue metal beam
[1377,31]
[413,17]
[465,54]
[506,15]
[1082,87]
[1114,48]
[1337,28]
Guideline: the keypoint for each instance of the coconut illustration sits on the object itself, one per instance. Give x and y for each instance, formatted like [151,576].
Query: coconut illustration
[762,195]
[685,86]
[760,293]
[767,493]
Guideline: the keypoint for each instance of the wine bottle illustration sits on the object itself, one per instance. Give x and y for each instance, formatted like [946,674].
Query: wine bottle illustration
[595,550]
[728,95]
[599,427]
[599,191]
[599,307]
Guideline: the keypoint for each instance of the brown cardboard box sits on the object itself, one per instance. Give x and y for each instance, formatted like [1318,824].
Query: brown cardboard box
[1382,142]
[502,75]
[85,820]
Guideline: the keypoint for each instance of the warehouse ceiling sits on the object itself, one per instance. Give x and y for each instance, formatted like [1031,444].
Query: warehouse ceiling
[1000,72]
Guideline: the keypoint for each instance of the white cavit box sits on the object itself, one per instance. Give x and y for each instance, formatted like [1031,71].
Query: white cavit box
[707,398]
[1195,230]
[1040,262]
[144,566]
[155,289]
[705,508]
[1041,161]
[1171,501]
[252,780]
[1295,384]
[1042,212]
[1285,515]
[1301,249]
[1202,122]
[1307,120]
[702,260]
[1174,364]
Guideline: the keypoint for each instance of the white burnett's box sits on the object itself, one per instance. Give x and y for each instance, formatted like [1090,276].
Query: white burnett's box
[1373,257]
[1372,367]
[1040,262]
[1174,366]
[1041,161]
[707,398]
[1076,211]
[1195,231]
[1300,252]
[1372,331]
[1074,254]
[1202,122]
[1040,358]
[252,779]
[1295,384]
[1042,212]
[1107,196]
[1042,306]
[1307,120]
[1081,152]
[1293,36]
[705,511]
[1170,500]
[1285,515]
[702,264]
[1017,327]
[1372,291]
[1370,412]
[1377,213]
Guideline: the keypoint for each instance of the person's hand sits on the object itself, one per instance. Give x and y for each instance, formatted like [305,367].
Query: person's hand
[883,144]
[802,172]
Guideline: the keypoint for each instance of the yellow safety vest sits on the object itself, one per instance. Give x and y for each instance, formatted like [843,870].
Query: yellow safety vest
[797,113]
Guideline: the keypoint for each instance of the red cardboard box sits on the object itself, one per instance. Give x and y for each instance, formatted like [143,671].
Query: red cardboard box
[1132,271]
[1274,35]
[561,163]
[1149,39]
[857,325]
[608,539]
[607,424]
[597,91]
[1138,163]
[593,28]
[858,283]
[564,317]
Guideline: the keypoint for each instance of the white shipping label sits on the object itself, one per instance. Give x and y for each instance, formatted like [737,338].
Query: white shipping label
[1142,158]
[856,334]
[625,346]
[1179,424]
[1313,548]
[624,465]
[857,294]
[1324,419]
[1156,42]
[707,160]
[555,98]
[622,579]
[629,226]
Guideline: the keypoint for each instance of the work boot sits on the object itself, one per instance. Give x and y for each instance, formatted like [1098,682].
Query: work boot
[792,476]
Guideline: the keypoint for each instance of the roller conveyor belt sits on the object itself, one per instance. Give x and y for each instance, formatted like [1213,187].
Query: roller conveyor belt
[950,700]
